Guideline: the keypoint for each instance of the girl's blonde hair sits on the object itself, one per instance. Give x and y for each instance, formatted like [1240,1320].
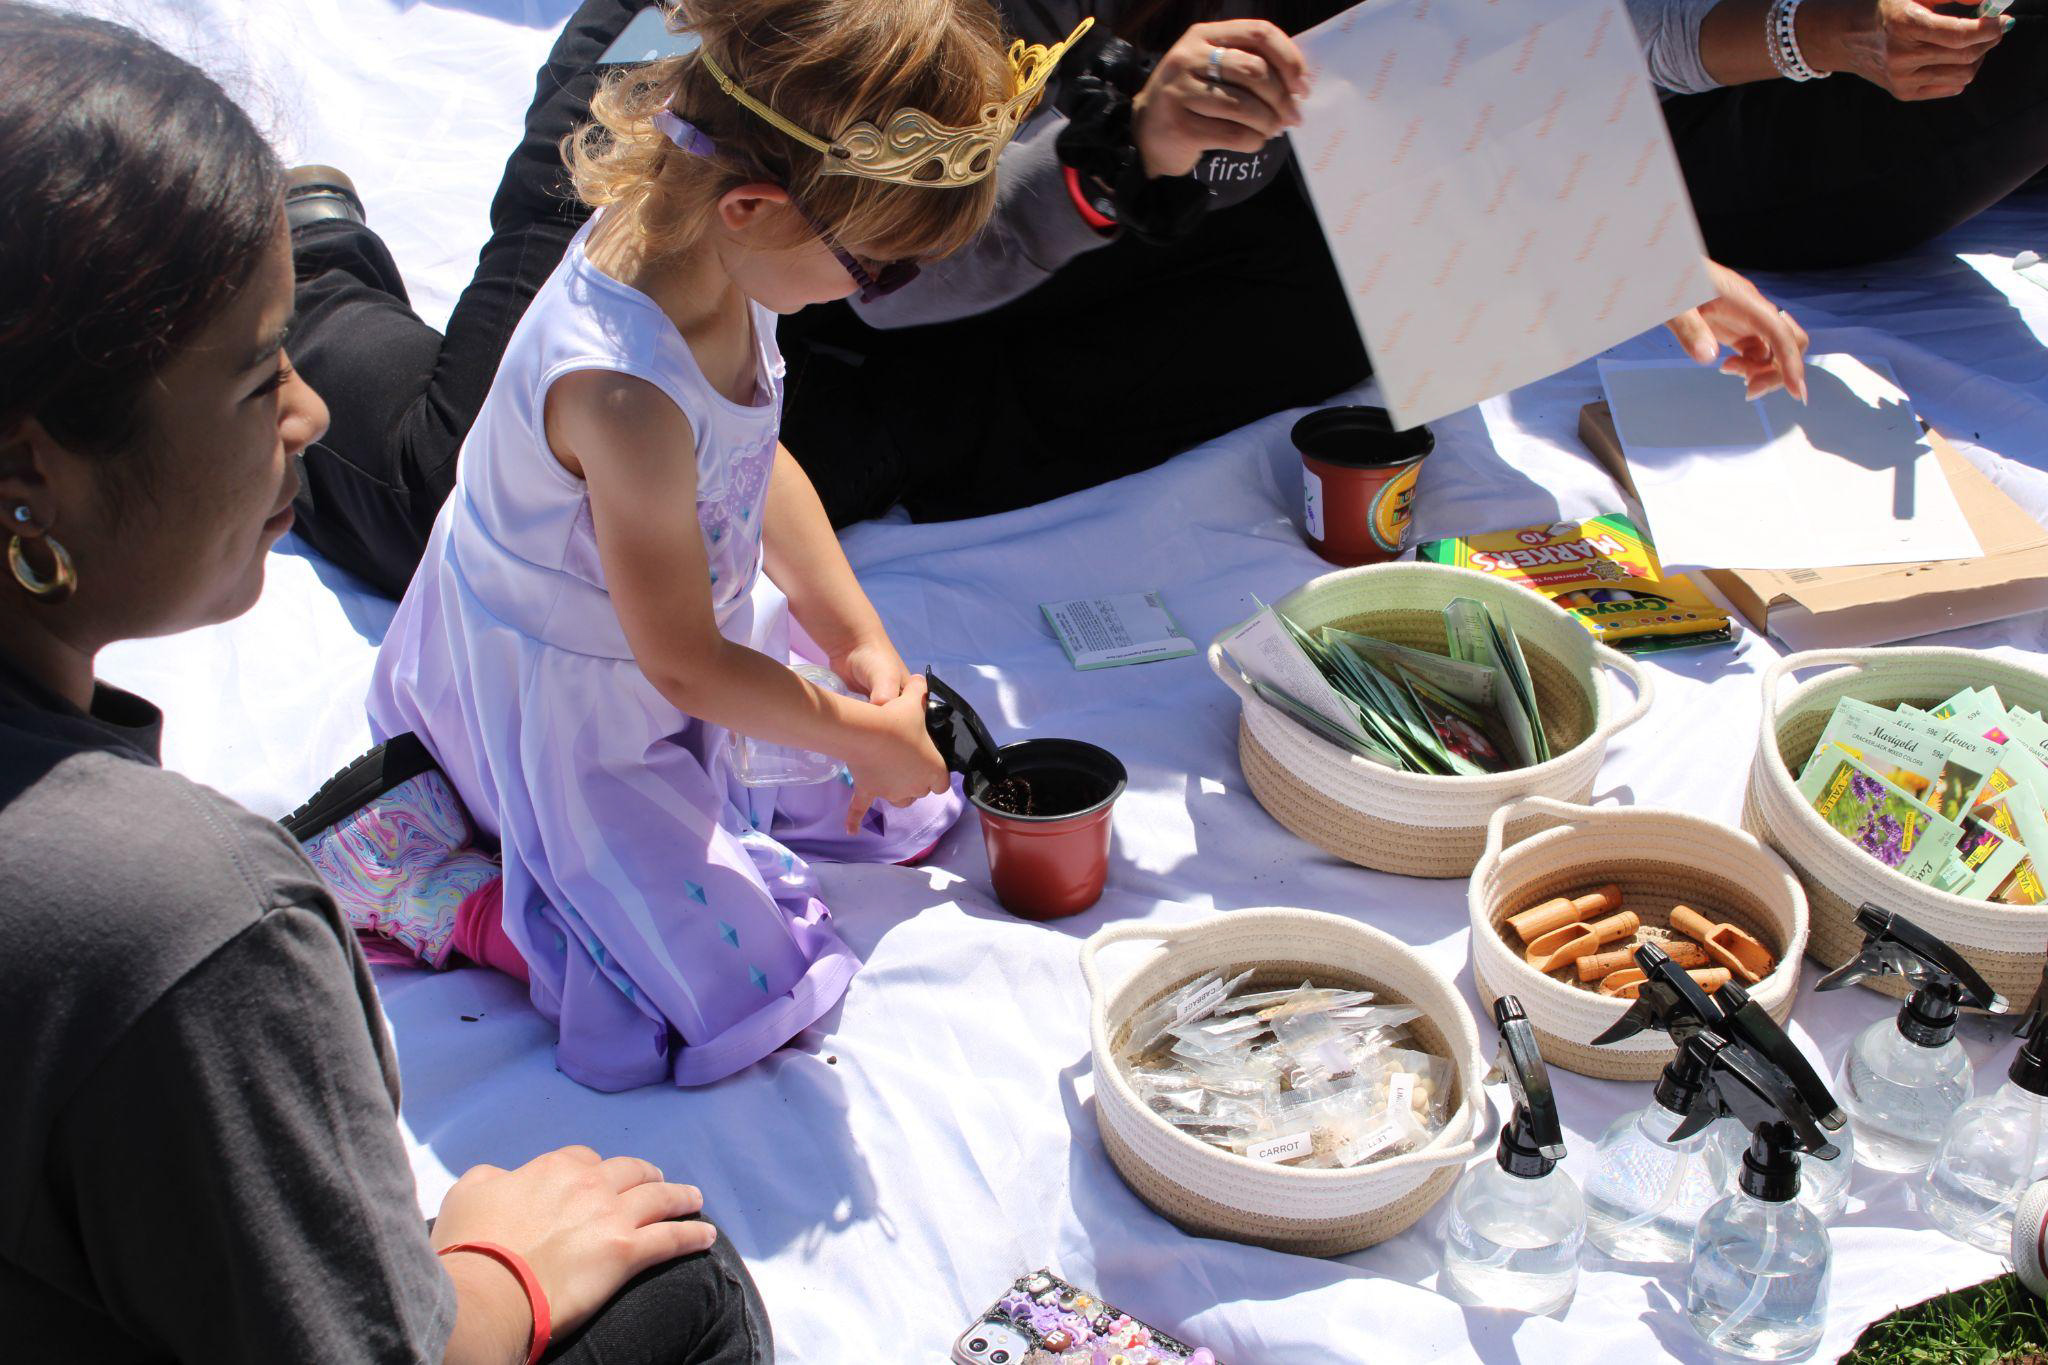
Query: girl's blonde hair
[822,65]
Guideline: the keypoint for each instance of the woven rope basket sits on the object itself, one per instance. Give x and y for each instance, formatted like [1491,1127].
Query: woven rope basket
[2007,943]
[1213,1193]
[1412,823]
[1660,858]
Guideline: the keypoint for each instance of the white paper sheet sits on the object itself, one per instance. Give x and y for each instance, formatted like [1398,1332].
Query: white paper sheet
[1727,483]
[1498,191]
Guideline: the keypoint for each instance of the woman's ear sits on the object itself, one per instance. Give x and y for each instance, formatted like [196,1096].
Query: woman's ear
[26,452]
[744,208]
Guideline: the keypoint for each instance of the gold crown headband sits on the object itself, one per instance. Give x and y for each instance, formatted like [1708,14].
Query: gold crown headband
[913,148]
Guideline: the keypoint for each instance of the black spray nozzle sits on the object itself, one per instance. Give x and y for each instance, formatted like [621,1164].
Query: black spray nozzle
[958,734]
[1942,981]
[1756,1094]
[1670,1002]
[2029,1069]
[1745,1021]
[1668,998]
[1532,1140]
[1673,1002]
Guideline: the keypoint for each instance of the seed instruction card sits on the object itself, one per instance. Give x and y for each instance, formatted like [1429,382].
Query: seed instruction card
[1106,632]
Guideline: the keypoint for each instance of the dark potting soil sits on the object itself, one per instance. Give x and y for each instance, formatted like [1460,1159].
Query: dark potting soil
[1048,791]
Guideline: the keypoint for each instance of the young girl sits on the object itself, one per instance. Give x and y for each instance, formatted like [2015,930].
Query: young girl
[630,559]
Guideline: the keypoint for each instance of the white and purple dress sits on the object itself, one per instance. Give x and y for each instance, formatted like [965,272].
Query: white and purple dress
[653,896]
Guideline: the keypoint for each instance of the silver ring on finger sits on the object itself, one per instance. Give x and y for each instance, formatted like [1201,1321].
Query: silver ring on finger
[1214,75]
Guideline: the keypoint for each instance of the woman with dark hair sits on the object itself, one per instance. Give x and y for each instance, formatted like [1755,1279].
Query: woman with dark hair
[201,1156]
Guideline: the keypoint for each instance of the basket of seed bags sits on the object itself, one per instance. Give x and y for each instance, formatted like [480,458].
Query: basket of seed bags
[1915,779]
[1388,710]
[1285,1078]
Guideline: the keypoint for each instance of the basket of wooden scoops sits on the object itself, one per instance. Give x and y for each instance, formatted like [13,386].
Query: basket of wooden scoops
[1556,919]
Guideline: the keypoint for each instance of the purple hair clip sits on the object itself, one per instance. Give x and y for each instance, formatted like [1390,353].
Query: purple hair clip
[688,137]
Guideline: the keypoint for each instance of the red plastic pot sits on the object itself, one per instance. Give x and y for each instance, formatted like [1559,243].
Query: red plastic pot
[1358,479]
[1053,864]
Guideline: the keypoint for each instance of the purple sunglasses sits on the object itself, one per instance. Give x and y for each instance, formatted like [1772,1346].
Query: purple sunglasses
[892,276]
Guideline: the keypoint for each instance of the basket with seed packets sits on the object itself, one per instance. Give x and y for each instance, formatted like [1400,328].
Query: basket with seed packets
[1917,779]
[1389,710]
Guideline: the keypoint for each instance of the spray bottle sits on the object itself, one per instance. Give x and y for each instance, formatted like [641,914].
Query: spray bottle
[1756,1285]
[1904,1080]
[1511,1238]
[1994,1147]
[1823,1182]
[1647,1192]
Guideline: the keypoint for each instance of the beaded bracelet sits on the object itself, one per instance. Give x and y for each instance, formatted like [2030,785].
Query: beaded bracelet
[1782,38]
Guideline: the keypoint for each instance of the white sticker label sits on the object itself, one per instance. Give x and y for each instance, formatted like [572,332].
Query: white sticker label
[1282,1148]
[1401,1091]
[1312,502]
[1371,1142]
[1202,1003]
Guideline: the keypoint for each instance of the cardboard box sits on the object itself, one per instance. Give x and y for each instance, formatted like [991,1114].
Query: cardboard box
[1875,604]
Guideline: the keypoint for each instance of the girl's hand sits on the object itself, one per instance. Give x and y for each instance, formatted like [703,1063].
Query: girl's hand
[1901,45]
[1769,345]
[1184,111]
[584,1224]
[898,763]
[873,670]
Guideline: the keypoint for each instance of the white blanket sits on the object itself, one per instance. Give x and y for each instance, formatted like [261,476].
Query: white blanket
[936,1135]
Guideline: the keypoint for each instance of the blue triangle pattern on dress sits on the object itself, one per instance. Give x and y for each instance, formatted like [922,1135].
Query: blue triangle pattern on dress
[695,892]
[758,978]
[729,934]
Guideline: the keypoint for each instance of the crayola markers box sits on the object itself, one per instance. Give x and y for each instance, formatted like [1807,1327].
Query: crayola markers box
[1605,572]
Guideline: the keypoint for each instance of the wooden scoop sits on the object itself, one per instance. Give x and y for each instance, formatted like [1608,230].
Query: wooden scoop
[1627,983]
[1562,947]
[1734,948]
[1531,925]
[1599,966]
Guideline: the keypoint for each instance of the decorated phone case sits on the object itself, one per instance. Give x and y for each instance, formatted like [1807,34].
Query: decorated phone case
[1043,1320]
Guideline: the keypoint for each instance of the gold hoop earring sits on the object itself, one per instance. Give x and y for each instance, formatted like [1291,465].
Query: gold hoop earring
[49,591]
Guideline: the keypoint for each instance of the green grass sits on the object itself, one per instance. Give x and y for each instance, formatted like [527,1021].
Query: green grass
[1994,1323]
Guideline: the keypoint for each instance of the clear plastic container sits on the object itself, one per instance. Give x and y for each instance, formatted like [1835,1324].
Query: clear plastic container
[1513,1241]
[757,763]
[1646,1194]
[1993,1150]
[1757,1285]
[1900,1095]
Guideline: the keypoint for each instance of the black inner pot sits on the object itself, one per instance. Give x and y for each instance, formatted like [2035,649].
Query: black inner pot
[1051,779]
[1359,438]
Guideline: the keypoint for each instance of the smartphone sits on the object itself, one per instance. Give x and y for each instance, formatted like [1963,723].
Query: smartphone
[1042,1317]
[646,38]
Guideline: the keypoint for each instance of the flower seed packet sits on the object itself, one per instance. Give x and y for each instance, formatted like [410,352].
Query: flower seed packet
[1948,777]
[1875,815]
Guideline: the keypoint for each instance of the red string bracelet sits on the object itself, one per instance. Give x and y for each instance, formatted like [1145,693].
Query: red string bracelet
[536,1297]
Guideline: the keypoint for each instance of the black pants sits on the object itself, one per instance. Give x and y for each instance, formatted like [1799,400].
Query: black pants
[1126,357]
[401,395]
[1837,172]
[700,1310]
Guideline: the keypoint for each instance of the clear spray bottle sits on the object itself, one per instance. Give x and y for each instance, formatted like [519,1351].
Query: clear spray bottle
[1904,1079]
[1647,1191]
[1756,1285]
[1512,1235]
[1995,1147]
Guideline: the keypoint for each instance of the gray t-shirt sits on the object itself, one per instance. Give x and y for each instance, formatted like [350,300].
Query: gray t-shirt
[200,1158]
